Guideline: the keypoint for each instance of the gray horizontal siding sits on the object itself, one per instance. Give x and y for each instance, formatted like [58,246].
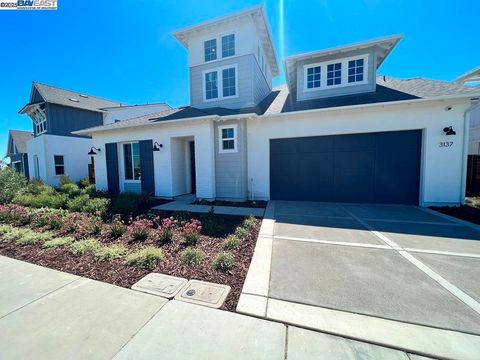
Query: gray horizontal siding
[62,120]
[231,168]
[261,88]
[338,91]
[245,80]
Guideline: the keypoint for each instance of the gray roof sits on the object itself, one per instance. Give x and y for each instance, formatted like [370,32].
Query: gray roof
[20,137]
[388,89]
[80,100]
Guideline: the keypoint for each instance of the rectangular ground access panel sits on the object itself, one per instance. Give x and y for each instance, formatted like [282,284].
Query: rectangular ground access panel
[204,293]
[162,285]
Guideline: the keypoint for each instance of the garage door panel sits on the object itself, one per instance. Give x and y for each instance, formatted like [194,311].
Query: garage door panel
[372,168]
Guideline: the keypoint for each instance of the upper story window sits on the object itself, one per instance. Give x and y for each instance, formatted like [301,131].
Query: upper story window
[334,74]
[227,138]
[313,77]
[326,74]
[131,158]
[210,50]
[39,119]
[228,45]
[355,70]
[224,78]
[59,164]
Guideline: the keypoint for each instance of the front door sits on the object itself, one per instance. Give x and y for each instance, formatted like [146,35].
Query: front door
[192,167]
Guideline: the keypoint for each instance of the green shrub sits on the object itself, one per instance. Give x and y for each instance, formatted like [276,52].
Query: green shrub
[231,242]
[191,256]
[241,232]
[58,242]
[90,190]
[43,199]
[64,180]
[37,186]
[128,203]
[223,261]
[76,204]
[32,237]
[11,184]
[5,229]
[51,218]
[96,206]
[249,223]
[85,182]
[16,233]
[71,189]
[109,253]
[147,258]
[117,228]
[210,223]
[86,246]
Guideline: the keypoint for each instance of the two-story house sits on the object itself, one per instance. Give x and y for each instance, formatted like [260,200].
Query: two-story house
[335,132]
[17,150]
[54,151]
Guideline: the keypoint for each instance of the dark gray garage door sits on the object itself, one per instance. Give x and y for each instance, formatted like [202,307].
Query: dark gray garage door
[368,168]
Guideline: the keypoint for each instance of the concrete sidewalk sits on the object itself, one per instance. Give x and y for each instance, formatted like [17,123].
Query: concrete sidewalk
[46,314]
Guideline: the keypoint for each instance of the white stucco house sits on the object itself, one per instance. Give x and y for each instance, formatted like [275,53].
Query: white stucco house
[54,151]
[336,131]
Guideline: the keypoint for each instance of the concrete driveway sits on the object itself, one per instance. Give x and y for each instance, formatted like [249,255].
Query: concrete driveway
[386,274]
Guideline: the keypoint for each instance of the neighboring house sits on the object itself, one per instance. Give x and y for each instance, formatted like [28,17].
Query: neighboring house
[17,150]
[473,78]
[55,151]
[335,132]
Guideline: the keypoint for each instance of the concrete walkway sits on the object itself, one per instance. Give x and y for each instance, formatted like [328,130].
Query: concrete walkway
[46,314]
[398,276]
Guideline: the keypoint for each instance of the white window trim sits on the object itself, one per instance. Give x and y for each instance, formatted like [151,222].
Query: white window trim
[220,47]
[55,166]
[219,83]
[235,139]
[122,169]
[323,71]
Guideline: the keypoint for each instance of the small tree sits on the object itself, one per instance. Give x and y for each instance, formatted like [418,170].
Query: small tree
[11,183]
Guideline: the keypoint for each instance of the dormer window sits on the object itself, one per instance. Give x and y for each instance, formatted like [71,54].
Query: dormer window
[334,74]
[228,45]
[313,77]
[210,50]
[355,70]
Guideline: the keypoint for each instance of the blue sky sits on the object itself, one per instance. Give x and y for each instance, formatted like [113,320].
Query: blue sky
[123,50]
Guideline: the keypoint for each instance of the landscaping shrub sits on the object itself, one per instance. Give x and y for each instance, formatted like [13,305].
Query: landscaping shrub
[5,229]
[11,184]
[139,230]
[31,237]
[64,180]
[71,189]
[15,234]
[164,233]
[147,258]
[37,186]
[224,261]
[76,204]
[51,218]
[58,242]
[117,228]
[14,214]
[182,216]
[241,232]
[85,182]
[90,190]
[231,242]
[128,203]
[43,199]
[191,232]
[97,206]
[86,246]
[109,253]
[211,225]
[249,223]
[81,225]
[191,256]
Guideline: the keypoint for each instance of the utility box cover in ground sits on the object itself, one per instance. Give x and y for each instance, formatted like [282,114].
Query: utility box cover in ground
[162,285]
[204,293]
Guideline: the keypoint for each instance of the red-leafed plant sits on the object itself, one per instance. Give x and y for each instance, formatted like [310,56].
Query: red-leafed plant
[139,230]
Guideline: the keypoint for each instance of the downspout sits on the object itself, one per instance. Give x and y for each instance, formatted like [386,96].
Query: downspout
[466,138]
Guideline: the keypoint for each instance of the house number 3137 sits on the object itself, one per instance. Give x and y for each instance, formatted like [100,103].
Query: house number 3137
[445,144]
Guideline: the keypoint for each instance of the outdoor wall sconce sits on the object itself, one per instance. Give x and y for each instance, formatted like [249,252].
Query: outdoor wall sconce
[93,151]
[449,131]
[157,146]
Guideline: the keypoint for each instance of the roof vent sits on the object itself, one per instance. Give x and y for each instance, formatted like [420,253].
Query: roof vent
[74,100]
[83,95]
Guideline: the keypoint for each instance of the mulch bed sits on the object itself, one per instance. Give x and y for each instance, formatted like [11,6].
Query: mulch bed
[463,212]
[115,272]
[244,204]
